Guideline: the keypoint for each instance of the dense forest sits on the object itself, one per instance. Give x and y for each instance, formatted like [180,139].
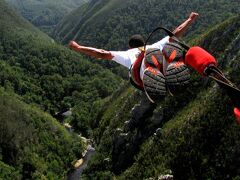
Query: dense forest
[189,136]
[45,14]
[38,79]
[48,75]
[33,145]
[109,23]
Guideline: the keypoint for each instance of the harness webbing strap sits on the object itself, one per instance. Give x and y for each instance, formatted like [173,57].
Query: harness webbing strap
[169,33]
[231,89]
[135,70]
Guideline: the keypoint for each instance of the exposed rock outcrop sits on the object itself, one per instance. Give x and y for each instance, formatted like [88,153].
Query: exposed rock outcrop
[143,123]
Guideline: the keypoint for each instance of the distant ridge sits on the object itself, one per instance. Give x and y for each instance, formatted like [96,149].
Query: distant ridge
[109,23]
[45,14]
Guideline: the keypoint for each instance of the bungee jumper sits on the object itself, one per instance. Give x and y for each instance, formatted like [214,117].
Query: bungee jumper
[146,65]
[162,67]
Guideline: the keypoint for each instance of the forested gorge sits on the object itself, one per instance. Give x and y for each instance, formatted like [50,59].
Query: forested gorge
[51,76]
[189,136]
[38,79]
[33,145]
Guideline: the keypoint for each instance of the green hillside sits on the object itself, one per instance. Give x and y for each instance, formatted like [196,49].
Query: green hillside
[39,78]
[33,145]
[190,136]
[45,13]
[10,18]
[109,23]
[49,75]
[83,16]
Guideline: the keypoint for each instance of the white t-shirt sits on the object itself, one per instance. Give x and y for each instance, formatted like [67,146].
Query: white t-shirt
[127,58]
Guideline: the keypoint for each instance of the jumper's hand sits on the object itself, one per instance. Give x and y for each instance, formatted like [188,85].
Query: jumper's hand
[73,45]
[193,16]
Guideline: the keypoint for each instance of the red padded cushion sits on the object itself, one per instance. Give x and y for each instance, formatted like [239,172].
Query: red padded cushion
[199,59]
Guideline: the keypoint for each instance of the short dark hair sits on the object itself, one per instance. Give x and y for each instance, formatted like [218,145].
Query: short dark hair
[136,41]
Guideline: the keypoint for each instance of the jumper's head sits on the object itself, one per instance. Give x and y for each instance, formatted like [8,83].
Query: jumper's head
[136,41]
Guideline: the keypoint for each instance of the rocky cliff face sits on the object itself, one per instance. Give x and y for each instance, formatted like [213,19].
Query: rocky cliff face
[136,130]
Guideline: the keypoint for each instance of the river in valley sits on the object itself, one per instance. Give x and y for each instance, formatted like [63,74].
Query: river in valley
[76,174]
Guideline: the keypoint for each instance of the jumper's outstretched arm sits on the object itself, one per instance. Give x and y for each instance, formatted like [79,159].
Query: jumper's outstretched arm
[94,52]
[179,31]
